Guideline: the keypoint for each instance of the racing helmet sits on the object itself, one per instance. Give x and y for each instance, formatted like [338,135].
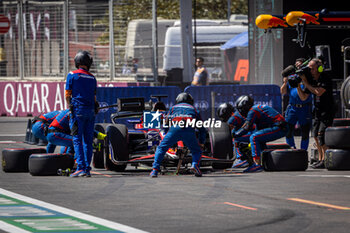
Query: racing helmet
[225,111]
[243,104]
[184,98]
[83,58]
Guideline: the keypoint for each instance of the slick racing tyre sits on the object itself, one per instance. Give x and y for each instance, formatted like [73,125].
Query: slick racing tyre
[338,137]
[16,159]
[285,160]
[274,146]
[117,136]
[341,122]
[337,159]
[48,164]
[345,93]
[221,145]
[98,156]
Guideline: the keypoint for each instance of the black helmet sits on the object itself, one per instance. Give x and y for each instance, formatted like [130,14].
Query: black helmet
[225,111]
[184,98]
[244,103]
[83,58]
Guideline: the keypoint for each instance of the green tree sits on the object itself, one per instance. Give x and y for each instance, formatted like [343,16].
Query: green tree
[127,10]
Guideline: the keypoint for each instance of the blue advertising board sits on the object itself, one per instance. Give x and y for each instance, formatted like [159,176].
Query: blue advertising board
[262,94]
[108,96]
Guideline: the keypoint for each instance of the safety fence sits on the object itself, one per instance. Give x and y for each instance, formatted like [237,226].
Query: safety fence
[43,42]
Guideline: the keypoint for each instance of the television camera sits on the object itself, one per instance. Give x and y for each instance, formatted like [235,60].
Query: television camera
[293,74]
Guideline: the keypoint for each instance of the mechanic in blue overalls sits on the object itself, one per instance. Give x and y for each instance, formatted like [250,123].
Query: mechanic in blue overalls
[80,95]
[235,120]
[270,126]
[182,111]
[297,111]
[59,132]
[39,128]
[226,113]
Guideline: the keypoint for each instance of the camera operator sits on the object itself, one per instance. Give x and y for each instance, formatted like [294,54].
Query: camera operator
[298,110]
[324,111]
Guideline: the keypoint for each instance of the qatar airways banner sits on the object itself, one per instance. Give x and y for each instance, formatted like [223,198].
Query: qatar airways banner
[33,98]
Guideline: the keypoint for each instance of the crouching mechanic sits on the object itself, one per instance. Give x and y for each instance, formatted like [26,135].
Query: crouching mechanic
[235,120]
[59,132]
[39,128]
[182,111]
[80,95]
[270,126]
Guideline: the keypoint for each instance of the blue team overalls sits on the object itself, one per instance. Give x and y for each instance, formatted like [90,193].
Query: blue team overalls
[38,128]
[298,111]
[180,112]
[236,121]
[270,125]
[83,86]
[59,132]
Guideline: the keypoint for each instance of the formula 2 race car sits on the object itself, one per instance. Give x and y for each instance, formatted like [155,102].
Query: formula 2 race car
[136,145]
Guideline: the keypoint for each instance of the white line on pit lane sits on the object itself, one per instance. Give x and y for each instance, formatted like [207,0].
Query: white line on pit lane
[327,176]
[9,228]
[12,135]
[7,142]
[80,215]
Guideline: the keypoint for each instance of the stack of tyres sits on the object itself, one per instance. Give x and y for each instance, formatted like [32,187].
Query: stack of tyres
[337,139]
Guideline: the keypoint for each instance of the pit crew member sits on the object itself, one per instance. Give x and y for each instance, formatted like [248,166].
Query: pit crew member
[39,128]
[270,125]
[80,95]
[184,111]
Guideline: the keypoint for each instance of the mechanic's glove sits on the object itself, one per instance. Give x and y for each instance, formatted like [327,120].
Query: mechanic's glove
[101,136]
[74,129]
[46,130]
[71,109]
[97,105]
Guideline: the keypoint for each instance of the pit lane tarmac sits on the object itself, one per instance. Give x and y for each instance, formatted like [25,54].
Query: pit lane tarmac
[220,201]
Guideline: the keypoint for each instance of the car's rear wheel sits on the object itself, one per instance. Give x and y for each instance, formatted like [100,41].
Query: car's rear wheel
[117,138]
[221,145]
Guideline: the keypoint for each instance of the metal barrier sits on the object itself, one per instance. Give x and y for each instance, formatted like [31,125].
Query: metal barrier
[205,96]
